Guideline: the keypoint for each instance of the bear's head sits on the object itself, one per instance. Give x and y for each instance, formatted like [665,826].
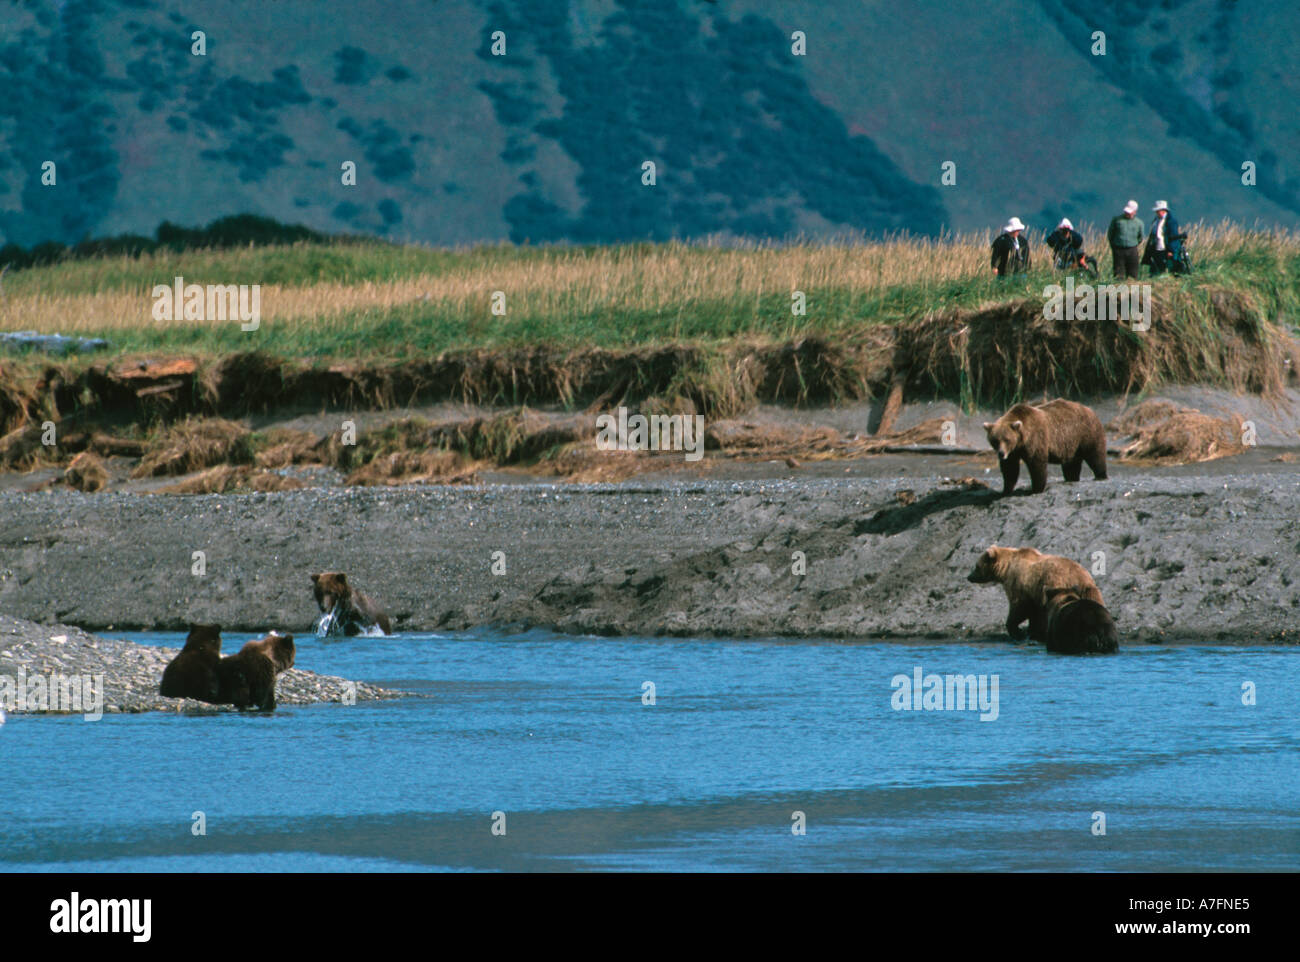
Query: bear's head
[331,588]
[987,569]
[1004,436]
[203,639]
[279,648]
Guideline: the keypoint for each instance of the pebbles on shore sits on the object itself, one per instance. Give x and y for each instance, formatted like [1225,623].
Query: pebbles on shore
[131,672]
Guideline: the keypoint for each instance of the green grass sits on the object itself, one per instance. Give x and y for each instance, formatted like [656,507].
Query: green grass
[370,302]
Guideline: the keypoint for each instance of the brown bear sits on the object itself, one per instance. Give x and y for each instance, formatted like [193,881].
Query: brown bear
[1056,432]
[248,678]
[351,612]
[1079,626]
[193,673]
[1028,576]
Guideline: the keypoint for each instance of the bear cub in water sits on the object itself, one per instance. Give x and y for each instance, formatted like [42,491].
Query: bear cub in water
[1079,626]
[193,673]
[352,611]
[247,679]
[1056,432]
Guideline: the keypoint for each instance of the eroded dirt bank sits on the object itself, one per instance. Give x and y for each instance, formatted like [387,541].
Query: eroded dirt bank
[1202,553]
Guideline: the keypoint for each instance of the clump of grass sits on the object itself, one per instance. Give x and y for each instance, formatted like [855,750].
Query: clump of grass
[195,444]
[282,447]
[413,467]
[232,479]
[1167,433]
[1008,352]
[509,437]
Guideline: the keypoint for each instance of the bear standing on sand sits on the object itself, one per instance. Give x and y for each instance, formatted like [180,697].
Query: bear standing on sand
[351,611]
[1079,626]
[193,673]
[1030,578]
[248,678]
[1057,432]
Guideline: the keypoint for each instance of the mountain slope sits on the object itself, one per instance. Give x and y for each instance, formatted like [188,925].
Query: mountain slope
[547,143]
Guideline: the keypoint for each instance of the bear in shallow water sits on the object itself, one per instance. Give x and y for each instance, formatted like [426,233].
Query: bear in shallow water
[1029,578]
[1079,626]
[1056,432]
[247,679]
[353,611]
[193,673]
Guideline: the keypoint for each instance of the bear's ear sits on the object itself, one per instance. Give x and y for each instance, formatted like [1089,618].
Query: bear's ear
[342,578]
[1017,424]
[315,579]
[988,425]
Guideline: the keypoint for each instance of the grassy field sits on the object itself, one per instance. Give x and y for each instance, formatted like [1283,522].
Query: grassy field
[372,302]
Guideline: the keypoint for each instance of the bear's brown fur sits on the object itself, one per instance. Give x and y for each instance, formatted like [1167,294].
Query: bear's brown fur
[1056,432]
[193,673]
[356,611]
[1029,577]
[248,678]
[1079,626]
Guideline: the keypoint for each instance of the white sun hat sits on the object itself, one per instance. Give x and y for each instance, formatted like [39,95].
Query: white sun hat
[1065,222]
[1131,207]
[1161,205]
[1013,224]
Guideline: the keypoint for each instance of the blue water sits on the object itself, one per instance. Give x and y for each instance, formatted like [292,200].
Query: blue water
[552,731]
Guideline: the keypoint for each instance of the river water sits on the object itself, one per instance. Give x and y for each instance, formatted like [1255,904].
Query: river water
[738,747]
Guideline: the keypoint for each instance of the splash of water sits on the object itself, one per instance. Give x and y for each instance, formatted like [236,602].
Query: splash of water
[327,625]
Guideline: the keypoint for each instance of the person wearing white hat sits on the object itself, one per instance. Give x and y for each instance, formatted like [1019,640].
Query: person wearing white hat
[1011,250]
[1160,251]
[1125,236]
[1067,244]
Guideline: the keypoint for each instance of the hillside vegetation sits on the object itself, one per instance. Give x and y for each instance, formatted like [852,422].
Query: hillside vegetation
[358,323]
[453,145]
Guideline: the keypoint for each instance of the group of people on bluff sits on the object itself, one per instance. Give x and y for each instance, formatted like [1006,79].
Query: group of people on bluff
[1163,247]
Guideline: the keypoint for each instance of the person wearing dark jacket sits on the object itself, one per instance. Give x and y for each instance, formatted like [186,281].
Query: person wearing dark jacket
[1067,244]
[1011,250]
[1162,242]
[1125,237]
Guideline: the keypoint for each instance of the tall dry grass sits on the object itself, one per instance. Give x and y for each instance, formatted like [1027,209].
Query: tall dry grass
[323,299]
